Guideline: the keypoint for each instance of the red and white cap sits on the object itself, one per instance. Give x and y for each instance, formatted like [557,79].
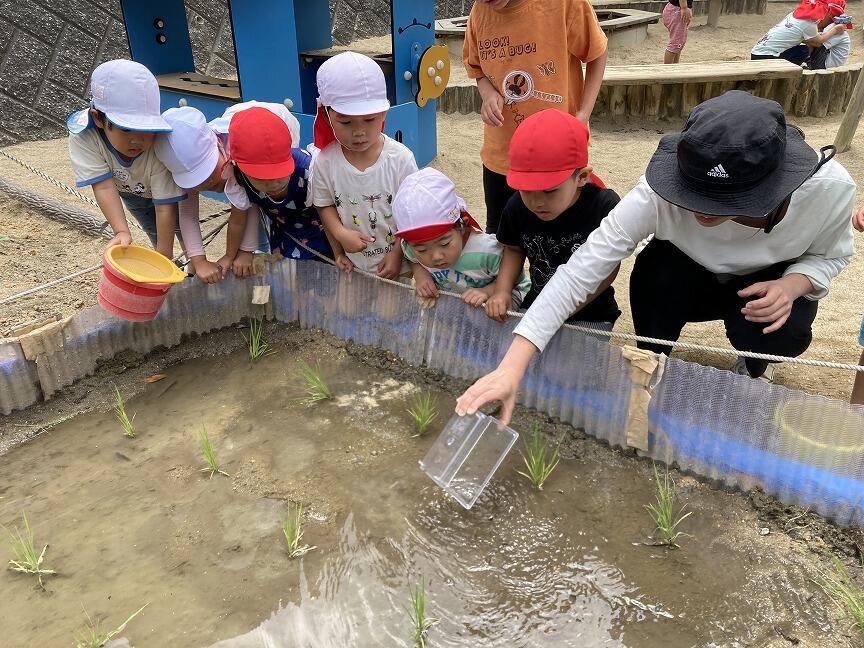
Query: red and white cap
[426,207]
[261,144]
[351,84]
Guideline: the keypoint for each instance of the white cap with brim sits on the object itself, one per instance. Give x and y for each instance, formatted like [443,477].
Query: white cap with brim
[190,150]
[221,124]
[128,95]
[352,84]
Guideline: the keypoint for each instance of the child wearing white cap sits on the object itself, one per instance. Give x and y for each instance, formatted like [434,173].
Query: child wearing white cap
[110,145]
[359,168]
[444,244]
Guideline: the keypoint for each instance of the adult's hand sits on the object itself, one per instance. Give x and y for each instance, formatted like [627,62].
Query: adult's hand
[774,300]
[500,385]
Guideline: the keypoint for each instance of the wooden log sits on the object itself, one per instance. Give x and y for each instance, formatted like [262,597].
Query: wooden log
[851,117]
[618,101]
[670,104]
[653,94]
[636,101]
[783,92]
[714,7]
[764,88]
[739,7]
[601,106]
[803,93]
[821,93]
[762,7]
[691,97]
[839,91]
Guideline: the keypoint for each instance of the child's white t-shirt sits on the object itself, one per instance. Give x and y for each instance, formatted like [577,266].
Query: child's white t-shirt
[363,198]
[94,160]
[839,47]
[789,32]
[476,267]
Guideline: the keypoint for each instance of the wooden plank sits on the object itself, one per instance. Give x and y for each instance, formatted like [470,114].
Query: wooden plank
[714,7]
[851,117]
[700,72]
[200,84]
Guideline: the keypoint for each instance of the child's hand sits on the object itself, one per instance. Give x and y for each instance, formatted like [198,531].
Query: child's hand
[123,239]
[492,110]
[424,283]
[858,220]
[353,241]
[498,305]
[224,264]
[475,297]
[242,265]
[391,264]
[686,15]
[344,264]
[207,271]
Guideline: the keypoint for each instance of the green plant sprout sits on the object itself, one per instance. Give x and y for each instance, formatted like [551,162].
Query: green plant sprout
[292,529]
[23,545]
[666,519]
[313,384]
[844,592]
[95,637]
[539,460]
[122,416]
[423,410]
[420,622]
[258,348]
[209,455]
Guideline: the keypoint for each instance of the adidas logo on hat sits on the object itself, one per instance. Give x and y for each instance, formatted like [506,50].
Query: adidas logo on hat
[718,172]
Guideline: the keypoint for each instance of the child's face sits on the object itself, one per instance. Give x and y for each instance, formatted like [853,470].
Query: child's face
[215,182]
[356,132]
[271,187]
[127,143]
[441,252]
[549,204]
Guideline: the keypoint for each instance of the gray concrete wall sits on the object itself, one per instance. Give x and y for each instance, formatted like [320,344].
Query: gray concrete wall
[48,49]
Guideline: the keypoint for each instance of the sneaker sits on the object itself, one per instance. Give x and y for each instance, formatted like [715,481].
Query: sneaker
[740,368]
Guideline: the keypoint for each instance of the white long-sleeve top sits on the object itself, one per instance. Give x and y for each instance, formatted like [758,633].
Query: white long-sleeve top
[815,234]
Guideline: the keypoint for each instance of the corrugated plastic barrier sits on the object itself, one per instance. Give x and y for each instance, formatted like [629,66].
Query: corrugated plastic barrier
[804,449]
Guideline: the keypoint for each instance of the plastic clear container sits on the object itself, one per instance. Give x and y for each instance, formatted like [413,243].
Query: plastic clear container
[466,455]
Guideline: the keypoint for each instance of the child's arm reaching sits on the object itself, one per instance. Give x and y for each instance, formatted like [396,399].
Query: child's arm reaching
[391,264]
[593,79]
[108,199]
[512,265]
[206,271]
[166,223]
[349,240]
[236,227]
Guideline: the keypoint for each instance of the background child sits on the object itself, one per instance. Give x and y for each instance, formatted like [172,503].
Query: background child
[359,168]
[858,388]
[110,146]
[676,20]
[792,37]
[527,55]
[444,244]
[556,208]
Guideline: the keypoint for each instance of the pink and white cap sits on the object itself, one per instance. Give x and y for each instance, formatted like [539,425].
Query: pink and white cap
[128,94]
[426,207]
[351,84]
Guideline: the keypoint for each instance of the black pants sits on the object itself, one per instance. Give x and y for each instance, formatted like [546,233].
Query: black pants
[669,289]
[797,55]
[496,192]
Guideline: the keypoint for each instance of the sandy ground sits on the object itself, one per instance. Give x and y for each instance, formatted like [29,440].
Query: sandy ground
[34,250]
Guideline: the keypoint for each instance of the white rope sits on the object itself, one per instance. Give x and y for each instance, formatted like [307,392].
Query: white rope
[53,181]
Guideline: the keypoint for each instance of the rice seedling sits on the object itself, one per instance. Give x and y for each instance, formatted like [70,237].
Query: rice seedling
[27,560]
[258,348]
[93,636]
[122,416]
[292,529]
[666,518]
[209,455]
[539,459]
[313,384]
[423,410]
[844,592]
[420,622]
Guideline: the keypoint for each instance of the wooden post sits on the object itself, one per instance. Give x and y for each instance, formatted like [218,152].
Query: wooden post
[851,117]
[714,7]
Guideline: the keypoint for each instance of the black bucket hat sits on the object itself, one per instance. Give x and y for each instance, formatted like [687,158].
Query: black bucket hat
[735,157]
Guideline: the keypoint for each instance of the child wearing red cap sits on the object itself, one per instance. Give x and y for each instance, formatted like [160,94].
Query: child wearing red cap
[444,244]
[527,55]
[274,176]
[558,204]
[792,37]
[359,168]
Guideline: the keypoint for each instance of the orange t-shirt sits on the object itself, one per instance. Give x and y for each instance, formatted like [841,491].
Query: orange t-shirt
[532,53]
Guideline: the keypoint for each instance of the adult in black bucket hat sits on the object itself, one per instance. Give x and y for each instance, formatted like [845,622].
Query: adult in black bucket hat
[749,225]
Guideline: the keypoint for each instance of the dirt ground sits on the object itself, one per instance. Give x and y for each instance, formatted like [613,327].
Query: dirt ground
[34,250]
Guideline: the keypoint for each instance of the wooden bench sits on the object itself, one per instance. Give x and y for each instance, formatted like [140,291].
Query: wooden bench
[710,72]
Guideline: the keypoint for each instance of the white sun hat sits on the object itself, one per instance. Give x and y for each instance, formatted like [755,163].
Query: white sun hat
[190,150]
[128,94]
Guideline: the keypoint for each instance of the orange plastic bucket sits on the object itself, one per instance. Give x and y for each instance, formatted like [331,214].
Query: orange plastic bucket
[135,282]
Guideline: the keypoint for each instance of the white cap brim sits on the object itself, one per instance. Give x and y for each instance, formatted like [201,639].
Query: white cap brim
[202,171]
[356,108]
[143,123]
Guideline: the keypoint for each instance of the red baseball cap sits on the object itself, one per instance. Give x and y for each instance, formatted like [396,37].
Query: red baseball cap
[260,144]
[546,149]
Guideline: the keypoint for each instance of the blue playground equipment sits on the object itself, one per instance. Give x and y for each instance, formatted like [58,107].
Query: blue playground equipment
[278,47]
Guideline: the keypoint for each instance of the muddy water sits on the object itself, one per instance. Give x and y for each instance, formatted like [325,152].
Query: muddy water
[134,521]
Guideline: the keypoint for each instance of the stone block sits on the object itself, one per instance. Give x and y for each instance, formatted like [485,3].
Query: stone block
[25,65]
[115,46]
[74,60]
[33,17]
[210,10]
[24,123]
[58,102]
